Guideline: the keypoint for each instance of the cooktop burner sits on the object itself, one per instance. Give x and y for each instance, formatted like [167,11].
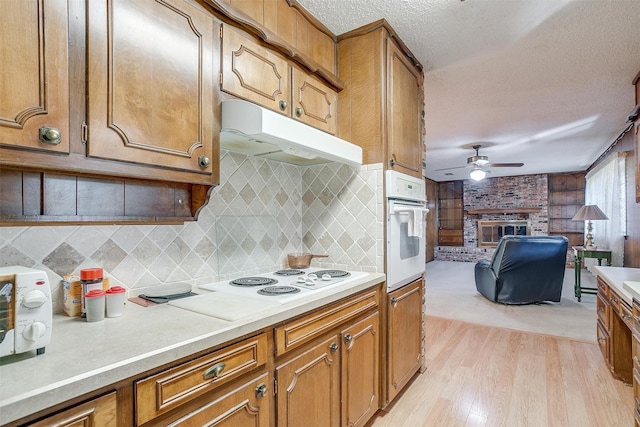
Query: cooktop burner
[278,290]
[253,281]
[333,273]
[290,272]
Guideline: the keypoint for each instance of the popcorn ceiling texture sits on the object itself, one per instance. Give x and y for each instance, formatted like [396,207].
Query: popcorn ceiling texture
[261,211]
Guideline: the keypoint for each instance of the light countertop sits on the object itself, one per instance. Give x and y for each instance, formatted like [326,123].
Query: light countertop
[617,276]
[83,357]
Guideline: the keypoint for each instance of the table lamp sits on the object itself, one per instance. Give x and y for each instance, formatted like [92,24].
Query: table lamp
[589,213]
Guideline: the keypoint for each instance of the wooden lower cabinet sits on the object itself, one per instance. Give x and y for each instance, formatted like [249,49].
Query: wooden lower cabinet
[319,369]
[360,371]
[404,337]
[244,406]
[101,411]
[308,386]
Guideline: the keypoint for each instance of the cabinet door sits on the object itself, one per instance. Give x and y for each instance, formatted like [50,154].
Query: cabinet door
[150,83]
[314,103]
[244,406]
[360,364]
[34,87]
[404,336]
[101,411]
[254,73]
[403,113]
[308,387]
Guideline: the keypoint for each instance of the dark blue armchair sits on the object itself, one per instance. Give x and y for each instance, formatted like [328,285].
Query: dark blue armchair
[524,270]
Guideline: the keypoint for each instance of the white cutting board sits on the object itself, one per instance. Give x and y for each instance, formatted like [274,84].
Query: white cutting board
[223,306]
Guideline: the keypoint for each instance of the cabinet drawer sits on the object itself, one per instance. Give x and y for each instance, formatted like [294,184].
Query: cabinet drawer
[602,308]
[625,313]
[300,331]
[603,340]
[603,288]
[635,315]
[162,392]
[101,411]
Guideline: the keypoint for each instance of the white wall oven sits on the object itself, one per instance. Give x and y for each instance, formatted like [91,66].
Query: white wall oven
[406,210]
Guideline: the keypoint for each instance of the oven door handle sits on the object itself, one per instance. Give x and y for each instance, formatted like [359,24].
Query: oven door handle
[407,209]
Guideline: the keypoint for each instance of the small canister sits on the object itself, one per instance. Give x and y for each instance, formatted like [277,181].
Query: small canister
[91,280]
[115,301]
[94,304]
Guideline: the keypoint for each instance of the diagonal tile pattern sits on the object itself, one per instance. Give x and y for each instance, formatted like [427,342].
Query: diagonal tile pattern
[261,211]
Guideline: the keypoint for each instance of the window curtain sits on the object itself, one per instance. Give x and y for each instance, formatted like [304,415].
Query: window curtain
[606,188]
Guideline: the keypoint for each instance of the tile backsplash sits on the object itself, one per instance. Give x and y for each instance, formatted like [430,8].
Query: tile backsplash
[261,211]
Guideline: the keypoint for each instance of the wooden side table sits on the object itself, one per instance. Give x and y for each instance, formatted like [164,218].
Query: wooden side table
[580,252]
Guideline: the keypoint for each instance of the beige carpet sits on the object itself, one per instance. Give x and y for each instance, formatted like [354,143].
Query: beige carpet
[451,293]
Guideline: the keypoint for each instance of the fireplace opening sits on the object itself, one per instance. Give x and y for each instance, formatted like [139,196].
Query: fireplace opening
[490,232]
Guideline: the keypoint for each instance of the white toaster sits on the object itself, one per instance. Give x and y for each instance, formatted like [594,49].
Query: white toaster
[26,311]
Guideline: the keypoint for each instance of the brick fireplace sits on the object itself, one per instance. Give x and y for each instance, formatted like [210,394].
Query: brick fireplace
[522,198]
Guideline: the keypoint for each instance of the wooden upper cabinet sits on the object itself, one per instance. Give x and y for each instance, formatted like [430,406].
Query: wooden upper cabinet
[35,76]
[314,102]
[404,110]
[293,25]
[254,73]
[150,83]
[381,105]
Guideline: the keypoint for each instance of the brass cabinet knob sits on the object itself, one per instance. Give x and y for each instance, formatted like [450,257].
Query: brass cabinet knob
[394,301]
[333,347]
[261,391]
[50,135]
[298,112]
[348,338]
[204,162]
[283,105]
[214,371]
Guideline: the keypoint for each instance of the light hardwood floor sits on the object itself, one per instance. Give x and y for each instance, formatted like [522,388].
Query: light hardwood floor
[485,376]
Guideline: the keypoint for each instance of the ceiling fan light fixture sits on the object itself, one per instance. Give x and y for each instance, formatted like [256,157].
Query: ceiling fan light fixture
[477,174]
[478,160]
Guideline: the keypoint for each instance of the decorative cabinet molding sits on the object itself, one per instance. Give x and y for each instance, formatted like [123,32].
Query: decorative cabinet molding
[35,78]
[257,74]
[128,105]
[150,83]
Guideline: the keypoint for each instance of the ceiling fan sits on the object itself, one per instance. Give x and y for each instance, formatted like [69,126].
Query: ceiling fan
[478,163]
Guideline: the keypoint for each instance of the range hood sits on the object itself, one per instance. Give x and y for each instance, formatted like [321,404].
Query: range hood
[250,129]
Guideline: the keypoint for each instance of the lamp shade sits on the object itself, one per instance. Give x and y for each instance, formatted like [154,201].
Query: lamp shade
[589,213]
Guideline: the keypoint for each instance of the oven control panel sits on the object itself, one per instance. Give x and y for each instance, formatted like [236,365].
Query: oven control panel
[402,186]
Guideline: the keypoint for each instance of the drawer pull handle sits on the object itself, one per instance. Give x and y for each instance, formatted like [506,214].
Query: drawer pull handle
[348,338]
[614,299]
[214,371]
[261,391]
[600,309]
[333,347]
[601,340]
[394,301]
[625,316]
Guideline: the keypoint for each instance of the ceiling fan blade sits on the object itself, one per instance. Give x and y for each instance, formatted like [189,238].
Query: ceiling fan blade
[504,165]
[446,169]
